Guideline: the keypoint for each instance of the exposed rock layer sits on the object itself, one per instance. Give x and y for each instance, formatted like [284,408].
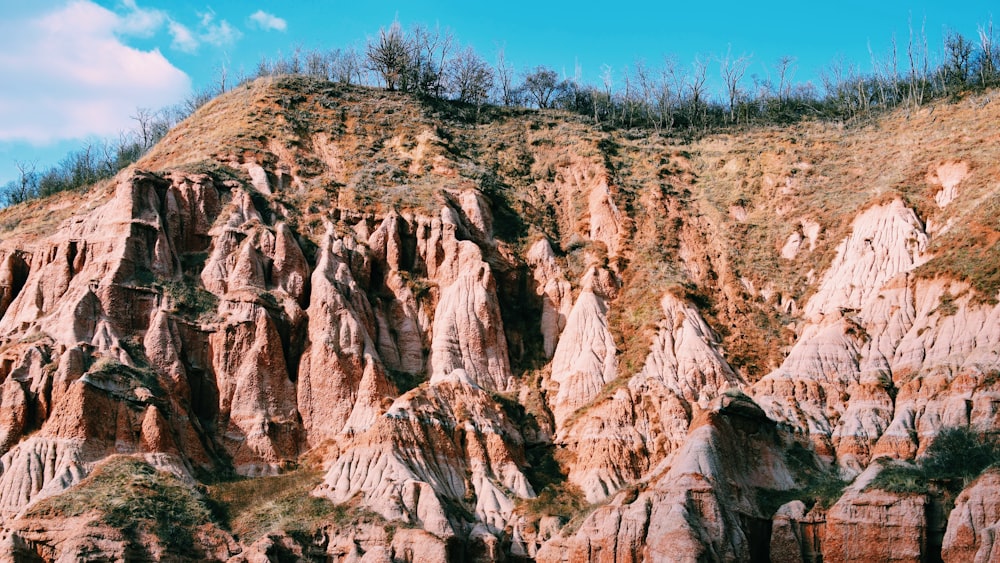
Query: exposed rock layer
[537,353]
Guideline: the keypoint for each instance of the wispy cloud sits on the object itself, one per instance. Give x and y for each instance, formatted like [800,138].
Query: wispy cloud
[219,33]
[183,38]
[146,22]
[140,22]
[67,73]
[268,22]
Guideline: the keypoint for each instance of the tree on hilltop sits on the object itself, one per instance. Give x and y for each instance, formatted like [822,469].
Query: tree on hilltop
[388,55]
[542,86]
[470,78]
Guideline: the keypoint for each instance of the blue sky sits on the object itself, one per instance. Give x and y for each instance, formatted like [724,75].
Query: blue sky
[78,69]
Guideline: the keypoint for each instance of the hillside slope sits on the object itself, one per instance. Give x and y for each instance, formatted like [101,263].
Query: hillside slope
[323,322]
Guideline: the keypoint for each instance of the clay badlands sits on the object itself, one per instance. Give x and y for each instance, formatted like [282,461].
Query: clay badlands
[331,323]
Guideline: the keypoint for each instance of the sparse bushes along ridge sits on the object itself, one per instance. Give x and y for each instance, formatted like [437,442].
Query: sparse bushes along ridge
[671,99]
[93,162]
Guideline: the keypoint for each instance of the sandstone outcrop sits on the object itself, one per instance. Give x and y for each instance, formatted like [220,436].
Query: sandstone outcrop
[555,291]
[874,525]
[639,425]
[972,525]
[584,360]
[444,442]
[797,535]
[695,509]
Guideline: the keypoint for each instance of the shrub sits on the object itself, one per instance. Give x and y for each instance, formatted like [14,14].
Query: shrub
[190,300]
[819,485]
[955,457]
[122,381]
[564,500]
[959,453]
[901,479]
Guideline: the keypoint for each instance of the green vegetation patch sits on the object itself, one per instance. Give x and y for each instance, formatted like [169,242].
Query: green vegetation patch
[564,500]
[978,265]
[970,251]
[130,495]
[901,479]
[190,300]
[821,486]
[956,457]
[123,381]
[253,508]
[556,495]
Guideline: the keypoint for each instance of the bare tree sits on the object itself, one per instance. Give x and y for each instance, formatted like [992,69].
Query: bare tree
[697,87]
[505,92]
[264,67]
[443,42]
[895,68]
[222,76]
[470,78]
[626,98]
[428,54]
[608,79]
[603,101]
[647,92]
[732,70]
[957,59]
[986,60]
[25,187]
[880,75]
[195,101]
[785,68]
[541,86]
[353,64]
[318,64]
[144,119]
[127,149]
[110,153]
[295,60]
[281,65]
[677,77]
[671,90]
[918,72]
[388,55]
[839,79]
[344,66]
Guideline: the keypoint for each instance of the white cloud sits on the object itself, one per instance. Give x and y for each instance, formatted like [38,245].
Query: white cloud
[68,75]
[268,21]
[183,38]
[140,22]
[220,34]
[143,22]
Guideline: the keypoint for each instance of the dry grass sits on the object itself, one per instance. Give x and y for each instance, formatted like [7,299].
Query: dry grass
[36,218]
[253,508]
[130,495]
[828,174]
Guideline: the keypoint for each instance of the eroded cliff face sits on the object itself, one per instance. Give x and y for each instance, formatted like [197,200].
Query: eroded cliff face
[519,339]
